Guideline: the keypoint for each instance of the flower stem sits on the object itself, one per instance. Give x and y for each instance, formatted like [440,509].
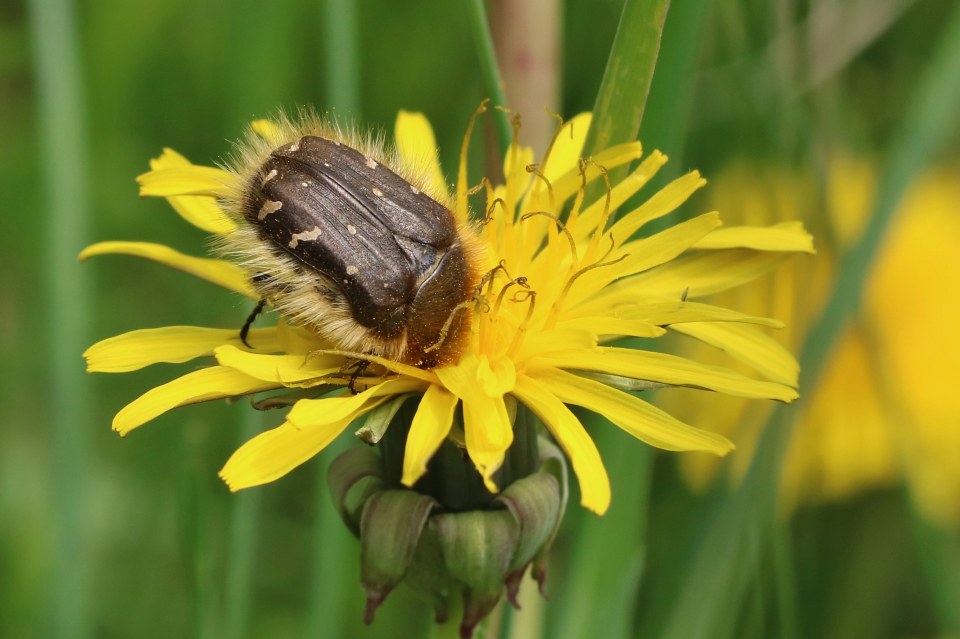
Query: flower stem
[493,83]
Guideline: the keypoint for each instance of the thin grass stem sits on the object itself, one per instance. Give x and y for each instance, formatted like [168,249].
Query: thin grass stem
[63,131]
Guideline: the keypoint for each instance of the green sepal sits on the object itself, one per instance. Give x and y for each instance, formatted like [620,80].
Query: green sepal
[535,503]
[390,530]
[346,473]
[378,420]
[551,461]
[477,548]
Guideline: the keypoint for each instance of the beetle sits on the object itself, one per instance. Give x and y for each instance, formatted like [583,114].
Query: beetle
[338,241]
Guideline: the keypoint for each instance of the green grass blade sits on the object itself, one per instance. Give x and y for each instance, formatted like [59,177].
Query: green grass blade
[62,123]
[667,116]
[714,590]
[335,590]
[599,589]
[493,82]
[244,532]
[342,56]
[334,577]
[939,553]
[622,98]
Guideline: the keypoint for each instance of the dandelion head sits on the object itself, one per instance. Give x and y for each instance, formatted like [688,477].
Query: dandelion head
[449,331]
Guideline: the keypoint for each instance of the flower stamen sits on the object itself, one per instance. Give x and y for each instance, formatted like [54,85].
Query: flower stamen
[462,194]
[602,223]
[522,296]
[446,325]
[575,260]
[557,306]
[535,169]
[489,215]
[581,192]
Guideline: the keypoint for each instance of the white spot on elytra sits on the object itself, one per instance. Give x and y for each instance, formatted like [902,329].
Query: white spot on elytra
[351,229]
[336,143]
[272,174]
[270,206]
[304,184]
[304,236]
[415,190]
[377,192]
[294,147]
[370,162]
[352,270]
[326,164]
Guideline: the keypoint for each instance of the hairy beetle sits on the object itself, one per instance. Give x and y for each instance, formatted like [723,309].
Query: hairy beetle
[350,243]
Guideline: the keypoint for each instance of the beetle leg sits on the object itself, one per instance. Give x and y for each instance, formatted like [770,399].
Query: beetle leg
[250,319]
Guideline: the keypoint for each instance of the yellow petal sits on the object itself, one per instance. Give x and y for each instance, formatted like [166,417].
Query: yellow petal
[215,382]
[169,159]
[170,344]
[756,349]
[203,212]
[669,312]
[516,176]
[664,246]
[219,272]
[430,426]
[567,147]
[487,426]
[266,129]
[642,255]
[273,454]
[786,236]
[417,147]
[288,370]
[585,223]
[185,180]
[558,339]
[696,275]
[498,378]
[611,158]
[609,325]
[391,365]
[664,201]
[311,425]
[476,375]
[642,420]
[296,339]
[313,413]
[573,439]
[667,369]
[488,432]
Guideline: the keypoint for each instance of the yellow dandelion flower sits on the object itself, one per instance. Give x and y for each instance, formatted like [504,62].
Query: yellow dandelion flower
[561,280]
[881,411]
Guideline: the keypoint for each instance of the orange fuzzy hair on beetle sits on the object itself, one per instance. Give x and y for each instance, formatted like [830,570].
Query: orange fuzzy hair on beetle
[341,236]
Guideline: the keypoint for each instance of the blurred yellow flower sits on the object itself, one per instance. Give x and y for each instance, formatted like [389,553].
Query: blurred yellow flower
[555,296]
[883,410]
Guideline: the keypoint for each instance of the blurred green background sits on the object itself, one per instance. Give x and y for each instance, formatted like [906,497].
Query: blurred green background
[103,537]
